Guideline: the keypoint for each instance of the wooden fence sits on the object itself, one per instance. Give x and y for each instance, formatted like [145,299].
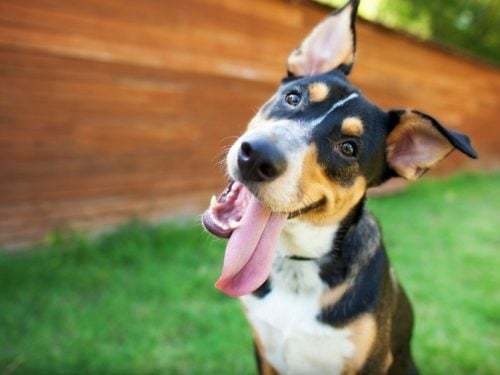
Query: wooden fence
[118,108]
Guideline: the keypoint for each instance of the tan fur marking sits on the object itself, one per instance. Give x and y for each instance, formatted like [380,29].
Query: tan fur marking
[394,280]
[352,126]
[315,185]
[318,91]
[388,362]
[364,332]
[332,296]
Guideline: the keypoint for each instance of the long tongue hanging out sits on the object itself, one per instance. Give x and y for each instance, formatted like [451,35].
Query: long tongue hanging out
[251,248]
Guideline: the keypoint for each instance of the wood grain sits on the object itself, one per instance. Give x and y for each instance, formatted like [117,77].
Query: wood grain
[120,108]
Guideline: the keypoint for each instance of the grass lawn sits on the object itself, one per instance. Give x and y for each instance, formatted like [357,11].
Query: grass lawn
[141,300]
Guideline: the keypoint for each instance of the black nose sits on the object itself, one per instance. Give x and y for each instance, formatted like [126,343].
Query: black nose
[260,160]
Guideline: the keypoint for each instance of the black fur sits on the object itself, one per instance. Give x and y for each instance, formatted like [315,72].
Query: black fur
[357,258]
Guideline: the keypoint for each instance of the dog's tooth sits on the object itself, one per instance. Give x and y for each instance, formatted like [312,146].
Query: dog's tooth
[218,222]
[215,220]
[213,201]
[212,217]
[233,224]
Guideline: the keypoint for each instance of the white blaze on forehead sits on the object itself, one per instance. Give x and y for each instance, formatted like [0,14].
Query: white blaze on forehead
[285,133]
[335,105]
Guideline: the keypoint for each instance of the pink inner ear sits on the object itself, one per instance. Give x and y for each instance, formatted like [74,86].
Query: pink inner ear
[414,147]
[328,46]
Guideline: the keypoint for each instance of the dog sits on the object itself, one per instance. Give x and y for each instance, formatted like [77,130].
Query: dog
[304,255]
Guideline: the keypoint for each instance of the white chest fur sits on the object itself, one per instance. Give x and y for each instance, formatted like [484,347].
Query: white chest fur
[294,341]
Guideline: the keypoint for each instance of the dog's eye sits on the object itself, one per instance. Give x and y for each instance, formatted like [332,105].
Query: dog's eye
[348,148]
[293,99]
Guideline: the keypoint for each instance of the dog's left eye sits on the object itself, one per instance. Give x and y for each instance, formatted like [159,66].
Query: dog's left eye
[348,148]
[293,99]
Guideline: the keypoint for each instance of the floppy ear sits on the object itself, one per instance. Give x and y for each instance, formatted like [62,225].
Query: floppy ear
[417,142]
[330,45]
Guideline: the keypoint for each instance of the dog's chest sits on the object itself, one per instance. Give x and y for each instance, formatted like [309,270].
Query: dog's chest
[285,320]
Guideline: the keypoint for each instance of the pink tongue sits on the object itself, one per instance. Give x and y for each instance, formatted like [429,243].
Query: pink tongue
[250,250]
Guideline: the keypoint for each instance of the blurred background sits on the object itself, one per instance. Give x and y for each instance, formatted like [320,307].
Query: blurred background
[113,120]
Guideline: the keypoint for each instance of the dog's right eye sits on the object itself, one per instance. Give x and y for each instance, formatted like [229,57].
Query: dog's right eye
[348,148]
[293,99]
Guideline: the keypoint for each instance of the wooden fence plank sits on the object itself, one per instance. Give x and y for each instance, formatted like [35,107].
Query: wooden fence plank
[120,108]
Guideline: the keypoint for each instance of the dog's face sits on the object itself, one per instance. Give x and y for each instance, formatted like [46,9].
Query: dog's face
[324,143]
[312,151]
[316,146]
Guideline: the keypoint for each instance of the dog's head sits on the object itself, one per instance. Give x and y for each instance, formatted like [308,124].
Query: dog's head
[315,147]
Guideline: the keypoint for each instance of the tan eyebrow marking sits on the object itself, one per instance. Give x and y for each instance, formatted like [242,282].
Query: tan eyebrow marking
[318,91]
[352,126]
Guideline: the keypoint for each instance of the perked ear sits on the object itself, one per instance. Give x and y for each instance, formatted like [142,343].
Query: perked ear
[330,45]
[417,142]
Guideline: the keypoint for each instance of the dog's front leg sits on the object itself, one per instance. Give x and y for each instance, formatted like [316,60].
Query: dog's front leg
[263,366]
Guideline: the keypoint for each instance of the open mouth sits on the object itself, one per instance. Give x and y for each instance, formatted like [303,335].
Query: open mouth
[226,210]
[253,231]
[308,208]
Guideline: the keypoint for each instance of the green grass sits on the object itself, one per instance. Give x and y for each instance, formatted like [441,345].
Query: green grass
[141,300]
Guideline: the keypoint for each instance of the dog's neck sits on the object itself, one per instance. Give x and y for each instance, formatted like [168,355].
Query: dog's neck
[302,240]
[338,249]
